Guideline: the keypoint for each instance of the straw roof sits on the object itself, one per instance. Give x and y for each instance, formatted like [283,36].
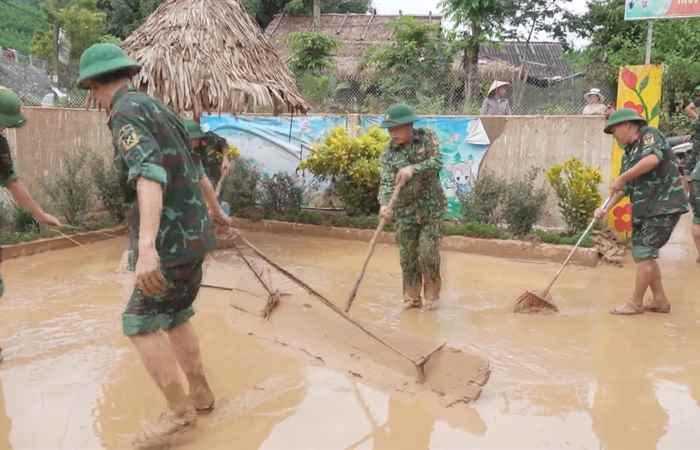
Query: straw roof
[210,56]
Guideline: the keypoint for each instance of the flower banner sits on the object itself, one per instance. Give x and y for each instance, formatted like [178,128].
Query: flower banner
[661,9]
[638,88]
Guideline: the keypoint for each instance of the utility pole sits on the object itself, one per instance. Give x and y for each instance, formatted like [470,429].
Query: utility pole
[317,16]
[650,38]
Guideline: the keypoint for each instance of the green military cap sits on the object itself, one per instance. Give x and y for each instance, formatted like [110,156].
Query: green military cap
[622,116]
[193,129]
[399,114]
[10,109]
[103,59]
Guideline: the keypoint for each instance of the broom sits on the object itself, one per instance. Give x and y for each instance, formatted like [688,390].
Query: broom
[531,302]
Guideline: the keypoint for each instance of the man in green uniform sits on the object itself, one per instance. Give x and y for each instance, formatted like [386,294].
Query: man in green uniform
[692,167]
[11,117]
[169,229]
[413,161]
[650,177]
[215,159]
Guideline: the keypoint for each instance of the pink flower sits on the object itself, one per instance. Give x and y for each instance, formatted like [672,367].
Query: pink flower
[629,78]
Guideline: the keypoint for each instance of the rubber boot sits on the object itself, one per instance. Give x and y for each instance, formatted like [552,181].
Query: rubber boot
[411,296]
[179,416]
[201,394]
[431,293]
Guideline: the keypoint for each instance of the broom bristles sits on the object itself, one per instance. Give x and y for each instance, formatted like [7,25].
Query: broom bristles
[530,302]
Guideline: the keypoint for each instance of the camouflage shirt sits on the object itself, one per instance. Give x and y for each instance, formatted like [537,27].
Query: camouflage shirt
[150,141]
[7,169]
[421,199]
[660,191]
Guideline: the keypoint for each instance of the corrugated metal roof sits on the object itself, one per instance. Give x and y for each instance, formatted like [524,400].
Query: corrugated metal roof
[541,59]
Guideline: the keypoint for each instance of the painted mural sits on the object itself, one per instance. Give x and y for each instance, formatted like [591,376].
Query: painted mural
[278,144]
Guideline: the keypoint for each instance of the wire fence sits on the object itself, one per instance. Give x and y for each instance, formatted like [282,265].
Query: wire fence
[335,94]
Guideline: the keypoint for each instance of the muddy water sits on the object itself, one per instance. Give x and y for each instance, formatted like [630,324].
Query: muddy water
[578,380]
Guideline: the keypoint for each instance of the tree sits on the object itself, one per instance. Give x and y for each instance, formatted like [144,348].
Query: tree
[80,20]
[124,16]
[415,65]
[481,20]
[536,16]
[311,52]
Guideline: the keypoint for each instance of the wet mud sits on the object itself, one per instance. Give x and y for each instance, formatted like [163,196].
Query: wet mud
[579,379]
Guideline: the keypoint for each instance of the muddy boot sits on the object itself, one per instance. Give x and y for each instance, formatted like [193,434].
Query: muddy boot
[180,416]
[411,297]
[200,394]
[431,293]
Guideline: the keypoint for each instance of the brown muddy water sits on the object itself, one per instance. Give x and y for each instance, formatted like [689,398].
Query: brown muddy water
[581,379]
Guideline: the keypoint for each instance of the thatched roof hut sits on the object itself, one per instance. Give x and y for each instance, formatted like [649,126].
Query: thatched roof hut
[210,56]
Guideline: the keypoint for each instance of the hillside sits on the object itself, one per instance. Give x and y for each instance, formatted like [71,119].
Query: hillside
[18,21]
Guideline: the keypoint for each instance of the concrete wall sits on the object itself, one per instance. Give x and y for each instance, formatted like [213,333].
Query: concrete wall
[519,143]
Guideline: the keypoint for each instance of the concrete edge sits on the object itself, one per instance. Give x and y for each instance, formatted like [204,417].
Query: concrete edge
[59,242]
[489,247]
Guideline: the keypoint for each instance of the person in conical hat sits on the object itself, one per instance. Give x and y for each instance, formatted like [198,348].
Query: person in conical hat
[11,117]
[595,103]
[496,102]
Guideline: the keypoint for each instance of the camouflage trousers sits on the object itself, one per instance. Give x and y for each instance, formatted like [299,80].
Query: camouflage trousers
[419,250]
[148,314]
[650,234]
[694,192]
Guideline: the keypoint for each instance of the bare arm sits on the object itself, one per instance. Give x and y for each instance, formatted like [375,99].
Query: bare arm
[27,202]
[150,199]
[692,111]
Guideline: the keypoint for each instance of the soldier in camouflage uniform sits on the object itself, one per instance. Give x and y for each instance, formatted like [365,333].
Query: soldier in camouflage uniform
[693,168]
[171,230]
[651,179]
[11,117]
[413,160]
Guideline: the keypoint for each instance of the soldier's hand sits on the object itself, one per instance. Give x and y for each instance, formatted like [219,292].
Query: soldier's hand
[149,278]
[404,175]
[386,213]
[220,218]
[617,185]
[49,220]
[599,213]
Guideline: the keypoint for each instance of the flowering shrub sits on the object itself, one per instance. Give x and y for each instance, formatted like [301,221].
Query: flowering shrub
[576,186]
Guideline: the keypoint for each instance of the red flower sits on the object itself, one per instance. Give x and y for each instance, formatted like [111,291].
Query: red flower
[636,107]
[623,218]
[629,78]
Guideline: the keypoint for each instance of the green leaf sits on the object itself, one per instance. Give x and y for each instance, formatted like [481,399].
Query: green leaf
[643,85]
[654,112]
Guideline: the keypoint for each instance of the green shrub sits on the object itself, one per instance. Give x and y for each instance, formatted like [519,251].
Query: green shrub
[70,189]
[481,203]
[471,229]
[352,163]
[106,178]
[241,188]
[576,187]
[281,193]
[523,204]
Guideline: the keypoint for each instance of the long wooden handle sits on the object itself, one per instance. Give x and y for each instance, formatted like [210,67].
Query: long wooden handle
[370,251]
[325,301]
[573,250]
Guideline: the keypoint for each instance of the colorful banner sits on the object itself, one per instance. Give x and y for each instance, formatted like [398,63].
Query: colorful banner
[661,9]
[638,88]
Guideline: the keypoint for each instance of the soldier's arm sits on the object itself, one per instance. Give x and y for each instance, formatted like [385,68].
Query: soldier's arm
[386,183]
[692,111]
[434,160]
[138,148]
[652,153]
